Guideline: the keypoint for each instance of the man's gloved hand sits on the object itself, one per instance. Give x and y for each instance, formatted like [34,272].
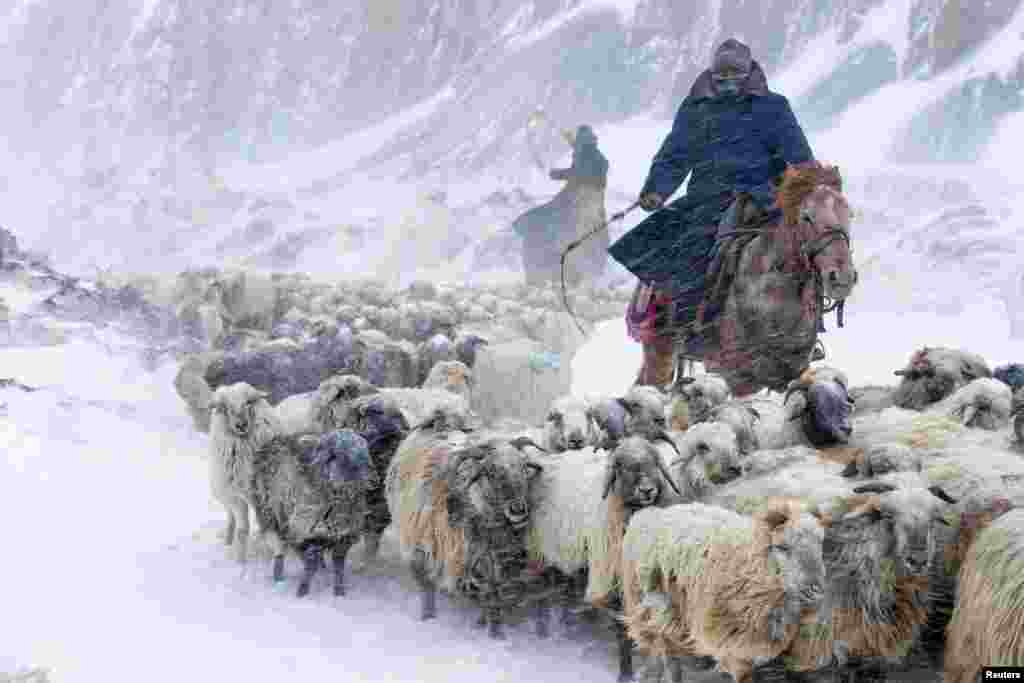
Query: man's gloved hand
[651,201]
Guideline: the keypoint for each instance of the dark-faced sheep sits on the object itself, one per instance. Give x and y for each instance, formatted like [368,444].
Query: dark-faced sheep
[878,551]
[934,373]
[461,510]
[241,422]
[380,421]
[309,495]
[704,581]
[581,504]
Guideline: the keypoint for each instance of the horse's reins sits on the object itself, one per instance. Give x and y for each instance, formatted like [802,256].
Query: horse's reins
[577,242]
[810,251]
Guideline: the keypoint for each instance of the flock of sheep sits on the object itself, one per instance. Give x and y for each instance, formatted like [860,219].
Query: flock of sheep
[835,531]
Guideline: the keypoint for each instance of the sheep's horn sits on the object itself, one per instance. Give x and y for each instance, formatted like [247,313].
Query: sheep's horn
[662,436]
[520,441]
[793,388]
[942,495]
[970,412]
[875,487]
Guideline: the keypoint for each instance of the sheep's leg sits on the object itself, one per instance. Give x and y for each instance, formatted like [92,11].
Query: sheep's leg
[240,512]
[625,652]
[338,554]
[229,531]
[574,586]
[371,547]
[278,568]
[420,573]
[653,670]
[276,546]
[543,618]
[495,623]
[312,560]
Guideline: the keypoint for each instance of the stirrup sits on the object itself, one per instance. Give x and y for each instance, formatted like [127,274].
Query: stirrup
[818,353]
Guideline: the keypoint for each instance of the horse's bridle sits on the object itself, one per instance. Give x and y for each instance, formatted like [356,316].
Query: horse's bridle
[810,251]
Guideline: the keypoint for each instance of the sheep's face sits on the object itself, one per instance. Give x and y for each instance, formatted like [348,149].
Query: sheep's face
[703,396]
[932,375]
[645,413]
[491,482]
[235,409]
[709,454]
[568,427]
[983,404]
[379,420]
[636,473]
[824,407]
[795,553]
[905,521]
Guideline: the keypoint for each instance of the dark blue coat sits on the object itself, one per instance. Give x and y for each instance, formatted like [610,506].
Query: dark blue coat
[731,144]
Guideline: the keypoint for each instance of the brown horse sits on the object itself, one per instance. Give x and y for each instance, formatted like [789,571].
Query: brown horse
[777,277]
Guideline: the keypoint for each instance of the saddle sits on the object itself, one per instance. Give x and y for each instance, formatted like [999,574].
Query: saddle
[730,240]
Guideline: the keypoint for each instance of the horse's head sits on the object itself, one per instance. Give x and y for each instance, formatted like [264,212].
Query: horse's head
[818,216]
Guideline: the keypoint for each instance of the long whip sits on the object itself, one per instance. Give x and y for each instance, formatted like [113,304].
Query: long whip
[577,242]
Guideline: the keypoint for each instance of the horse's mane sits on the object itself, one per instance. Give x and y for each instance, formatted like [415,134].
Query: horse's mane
[799,181]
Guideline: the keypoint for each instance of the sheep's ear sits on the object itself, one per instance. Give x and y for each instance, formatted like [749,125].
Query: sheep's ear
[534,469]
[521,442]
[773,518]
[553,416]
[875,487]
[667,475]
[611,472]
[753,411]
[626,404]
[850,470]
[942,495]
[797,402]
[869,511]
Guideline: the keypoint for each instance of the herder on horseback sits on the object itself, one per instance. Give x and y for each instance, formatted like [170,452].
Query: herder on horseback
[738,139]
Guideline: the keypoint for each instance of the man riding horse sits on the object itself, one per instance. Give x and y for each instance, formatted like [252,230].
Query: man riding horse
[737,137]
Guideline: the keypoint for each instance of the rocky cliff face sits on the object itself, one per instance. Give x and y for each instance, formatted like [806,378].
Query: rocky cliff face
[253,77]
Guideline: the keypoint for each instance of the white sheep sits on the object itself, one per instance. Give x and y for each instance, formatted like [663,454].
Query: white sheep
[568,425]
[241,422]
[323,409]
[693,401]
[581,506]
[418,404]
[451,376]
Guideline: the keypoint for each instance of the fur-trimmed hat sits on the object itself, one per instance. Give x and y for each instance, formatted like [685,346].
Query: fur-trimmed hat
[732,60]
